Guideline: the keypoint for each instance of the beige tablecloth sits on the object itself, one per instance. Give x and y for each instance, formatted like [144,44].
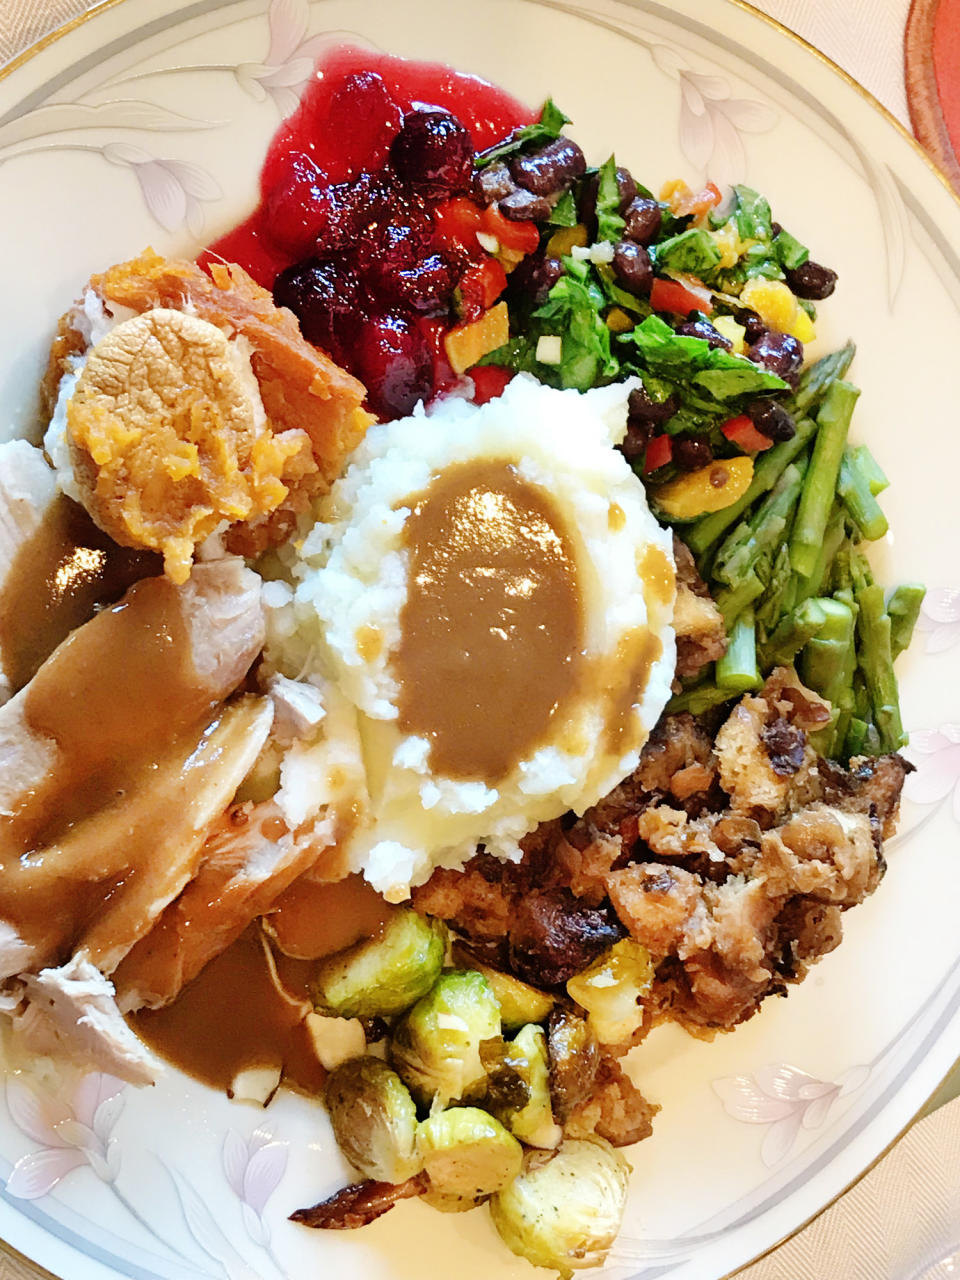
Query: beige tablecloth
[874,1231]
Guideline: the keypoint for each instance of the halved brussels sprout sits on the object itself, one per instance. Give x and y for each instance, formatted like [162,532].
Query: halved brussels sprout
[446,1203]
[466,1152]
[519,1002]
[382,976]
[436,1047]
[574,1057]
[534,1123]
[564,1210]
[374,1119]
[611,990]
[518,1086]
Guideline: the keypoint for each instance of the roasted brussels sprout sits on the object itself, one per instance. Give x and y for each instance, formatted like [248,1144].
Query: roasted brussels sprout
[436,1046]
[466,1152]
[574,1057]
[564,1210]
[611,990]
[382,976]
[534,1123]
[518,1086]
[374,1119]
[519,1002]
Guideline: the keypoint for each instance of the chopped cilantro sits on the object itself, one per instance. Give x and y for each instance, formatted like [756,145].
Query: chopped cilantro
[545,129]
[609,221]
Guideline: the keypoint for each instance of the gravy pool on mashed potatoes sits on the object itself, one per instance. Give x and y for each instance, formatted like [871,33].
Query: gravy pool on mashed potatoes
[489,589]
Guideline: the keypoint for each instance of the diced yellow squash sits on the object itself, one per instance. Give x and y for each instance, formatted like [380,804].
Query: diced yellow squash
[564,238]
[773,302]
[709,488]
[732,331]
[468,343]
[803,329]
[618,321]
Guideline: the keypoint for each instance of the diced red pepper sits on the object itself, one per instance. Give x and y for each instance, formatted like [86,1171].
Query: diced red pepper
[522,236]
[480,287]
[457,221]
[742,432]
[671,295]
[489,381]
[658,454]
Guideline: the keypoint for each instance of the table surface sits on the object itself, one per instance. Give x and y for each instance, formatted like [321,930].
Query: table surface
[865,39]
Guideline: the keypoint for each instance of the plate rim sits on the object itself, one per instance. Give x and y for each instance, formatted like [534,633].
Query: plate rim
[99,8]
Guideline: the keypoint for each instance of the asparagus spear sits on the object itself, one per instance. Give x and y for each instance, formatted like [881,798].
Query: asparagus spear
[856,737]
[732,601]
[791,635]
[815,381]
[755,537]
[737,669]
[768,468]
[699,699]
[904,609]
[820,482]
[875,657]
[778,597]
[854,487]
[833,538]
[828,659]
[876,476]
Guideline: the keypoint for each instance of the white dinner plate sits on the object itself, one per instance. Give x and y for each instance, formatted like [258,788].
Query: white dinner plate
[148,123]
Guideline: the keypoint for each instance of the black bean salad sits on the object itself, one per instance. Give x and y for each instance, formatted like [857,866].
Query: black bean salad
[742,446]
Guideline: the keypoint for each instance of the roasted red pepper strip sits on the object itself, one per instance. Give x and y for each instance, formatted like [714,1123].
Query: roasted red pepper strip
[524,237]
[671,295]
[742,432]
[489,381]
[658,454]
[457,221]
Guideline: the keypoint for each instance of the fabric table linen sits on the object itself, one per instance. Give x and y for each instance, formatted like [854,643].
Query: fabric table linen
[902,1220]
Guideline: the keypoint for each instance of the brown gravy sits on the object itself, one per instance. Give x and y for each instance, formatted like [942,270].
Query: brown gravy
[658,574]
[231,1017]
[60,576]
[312,919]
[122,709]
[492,630]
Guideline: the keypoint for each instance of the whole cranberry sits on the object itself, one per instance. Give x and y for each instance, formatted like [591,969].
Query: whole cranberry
[426,287]
[393,359]
[298,208]
[325,298]
[433,153]
[364,119]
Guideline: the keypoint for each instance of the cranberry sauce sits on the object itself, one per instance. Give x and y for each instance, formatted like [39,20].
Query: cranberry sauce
[346,234]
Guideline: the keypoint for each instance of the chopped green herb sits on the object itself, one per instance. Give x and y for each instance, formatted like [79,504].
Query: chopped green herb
[548,127]
[609,221]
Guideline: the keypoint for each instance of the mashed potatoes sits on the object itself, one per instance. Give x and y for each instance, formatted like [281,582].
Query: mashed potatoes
[510,547]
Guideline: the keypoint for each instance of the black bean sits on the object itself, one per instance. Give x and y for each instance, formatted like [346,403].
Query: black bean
[811,280]
[781,353]
[635,442]
[643,410]
[521,205]
[631,266]
[493,182]
[752,324]
[627,187]
[704,329]
[550,170]
[692,452]
[535,276]
[775,229]
[643,217]
[770,417]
